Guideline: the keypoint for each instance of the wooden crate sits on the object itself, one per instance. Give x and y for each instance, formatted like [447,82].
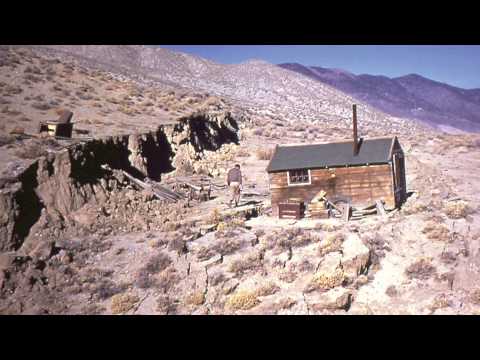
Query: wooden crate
[317,214]
[290,210]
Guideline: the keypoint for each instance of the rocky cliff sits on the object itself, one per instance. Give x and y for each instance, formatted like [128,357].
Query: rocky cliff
[56,185]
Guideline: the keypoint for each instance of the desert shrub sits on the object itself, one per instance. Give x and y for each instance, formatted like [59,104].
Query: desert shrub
[293,237]
[6,140]
[177,244]
[267,289]
[421,269]
[10,90]
[112,100]
[475,297]
[24,119]
[83,95]
[144,280]
[258,131]
[448,257]
[51,71]
[4,101]
[8,111]
[391,291]
[264,154]
[33,151]
[242,265]
[414,207]
[323,280]
[166,305]
[205,252]
[227,246]
[215,217]
[167,279]
[242,300]
[121,303]
[92,309]
[33,78]
[32,70]
[157,263]
[457,209]
[41,106]
[286,303]
[242,153]
[439,302]
[435,231]
[195,298]
[105,288]
[216,278]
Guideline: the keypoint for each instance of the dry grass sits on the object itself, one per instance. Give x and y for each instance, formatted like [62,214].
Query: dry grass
[457,209]
[422,269]
[475,297]
[436,231]
[414,207]
[242,300]
[196,298]
[440,302]
[121,303]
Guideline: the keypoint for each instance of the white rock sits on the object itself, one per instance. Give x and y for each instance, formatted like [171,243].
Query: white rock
[355,256]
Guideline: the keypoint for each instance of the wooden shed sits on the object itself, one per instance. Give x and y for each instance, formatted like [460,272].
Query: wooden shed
[359,171]
[61,127]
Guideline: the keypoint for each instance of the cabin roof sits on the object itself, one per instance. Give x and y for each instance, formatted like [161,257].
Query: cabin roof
[294,157]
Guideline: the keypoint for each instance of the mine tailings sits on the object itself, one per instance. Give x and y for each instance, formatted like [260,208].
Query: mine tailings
[60,183]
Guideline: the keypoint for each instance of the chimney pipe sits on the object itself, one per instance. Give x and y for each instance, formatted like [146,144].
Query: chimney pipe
[355,135]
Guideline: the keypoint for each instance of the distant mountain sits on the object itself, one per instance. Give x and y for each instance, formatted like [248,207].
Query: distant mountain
[260,87]
[410,96]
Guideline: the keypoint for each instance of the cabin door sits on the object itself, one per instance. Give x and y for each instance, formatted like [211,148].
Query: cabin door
[399,170]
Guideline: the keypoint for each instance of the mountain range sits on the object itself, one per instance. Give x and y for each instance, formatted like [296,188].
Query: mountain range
[295,92]
[410,96]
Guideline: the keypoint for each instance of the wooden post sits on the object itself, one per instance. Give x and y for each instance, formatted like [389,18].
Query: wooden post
[347,212]
[380,208]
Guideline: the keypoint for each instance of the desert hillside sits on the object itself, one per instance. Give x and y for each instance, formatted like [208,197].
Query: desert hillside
[446,107]
[108,223]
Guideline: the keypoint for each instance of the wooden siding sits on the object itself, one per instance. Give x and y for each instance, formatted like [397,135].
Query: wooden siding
[362,185]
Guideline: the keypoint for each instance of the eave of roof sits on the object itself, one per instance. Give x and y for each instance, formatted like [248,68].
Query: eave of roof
[334,154]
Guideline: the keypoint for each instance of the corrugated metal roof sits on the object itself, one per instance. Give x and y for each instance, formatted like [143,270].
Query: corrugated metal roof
[372,151]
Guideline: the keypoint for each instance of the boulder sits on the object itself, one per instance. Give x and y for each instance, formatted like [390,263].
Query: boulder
[329,275]
[355,257]
[335,299]
[6,260]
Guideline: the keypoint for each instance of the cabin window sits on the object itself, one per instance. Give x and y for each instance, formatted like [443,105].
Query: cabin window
[299,177]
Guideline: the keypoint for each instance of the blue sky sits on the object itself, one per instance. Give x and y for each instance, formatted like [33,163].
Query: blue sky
[457,65]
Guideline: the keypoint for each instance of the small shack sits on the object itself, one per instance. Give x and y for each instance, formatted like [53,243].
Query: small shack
[61,127]
[359,172]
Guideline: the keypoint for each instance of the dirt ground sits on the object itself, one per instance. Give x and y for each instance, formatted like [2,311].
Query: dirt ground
[131,254]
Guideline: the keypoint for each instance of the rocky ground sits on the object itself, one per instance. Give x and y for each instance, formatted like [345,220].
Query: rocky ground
[105,247]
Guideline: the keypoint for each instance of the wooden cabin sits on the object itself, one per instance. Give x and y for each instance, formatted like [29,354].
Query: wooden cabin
[359,172]
[61,127]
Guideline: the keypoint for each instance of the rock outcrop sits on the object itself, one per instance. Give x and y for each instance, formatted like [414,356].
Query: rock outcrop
[55,186]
